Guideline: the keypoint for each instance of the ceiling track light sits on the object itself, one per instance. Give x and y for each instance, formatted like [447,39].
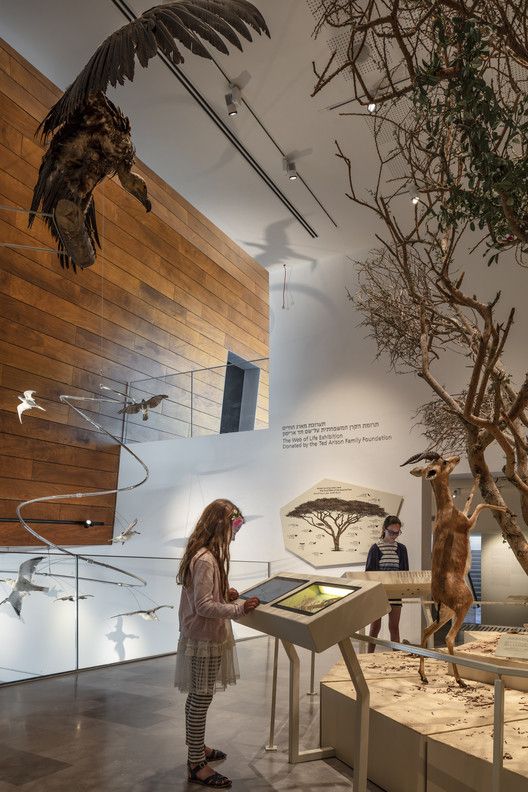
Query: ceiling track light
[414,194]
[233,99]
[289,166]
[374,104]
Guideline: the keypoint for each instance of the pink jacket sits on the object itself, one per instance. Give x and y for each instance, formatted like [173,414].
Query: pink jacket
[203,609]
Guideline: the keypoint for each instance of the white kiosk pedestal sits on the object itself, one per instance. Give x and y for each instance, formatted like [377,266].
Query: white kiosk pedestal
[316,613]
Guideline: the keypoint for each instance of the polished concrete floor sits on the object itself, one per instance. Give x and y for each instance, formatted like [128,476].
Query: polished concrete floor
[121,729]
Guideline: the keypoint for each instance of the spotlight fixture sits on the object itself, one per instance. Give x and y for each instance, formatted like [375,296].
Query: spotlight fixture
[413,193]
[289,166]
[374,105]
[232,100]
[88,523]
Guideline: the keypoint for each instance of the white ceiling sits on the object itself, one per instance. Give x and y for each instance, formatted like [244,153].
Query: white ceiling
[177,139]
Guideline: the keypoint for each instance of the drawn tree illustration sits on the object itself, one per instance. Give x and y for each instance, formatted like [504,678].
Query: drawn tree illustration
[334,516]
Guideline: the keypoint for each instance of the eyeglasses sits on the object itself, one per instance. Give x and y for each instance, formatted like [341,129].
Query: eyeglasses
[393,533]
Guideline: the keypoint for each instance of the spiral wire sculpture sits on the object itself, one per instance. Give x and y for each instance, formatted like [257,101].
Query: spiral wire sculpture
[66,399]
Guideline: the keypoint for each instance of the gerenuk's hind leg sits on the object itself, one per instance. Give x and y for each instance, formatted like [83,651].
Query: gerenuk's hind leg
[443,616]
[452,634]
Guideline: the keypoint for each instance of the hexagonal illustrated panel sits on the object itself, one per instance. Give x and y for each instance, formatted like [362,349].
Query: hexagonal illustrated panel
[335,523]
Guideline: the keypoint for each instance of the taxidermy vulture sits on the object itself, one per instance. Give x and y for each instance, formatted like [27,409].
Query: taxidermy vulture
[91,136]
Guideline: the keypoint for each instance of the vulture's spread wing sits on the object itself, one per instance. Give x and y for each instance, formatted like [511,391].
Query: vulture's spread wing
[162,28]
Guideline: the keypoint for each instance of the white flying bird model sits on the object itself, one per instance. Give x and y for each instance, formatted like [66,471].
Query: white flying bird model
[72,597]
[127,534]
[148,615]
[23,585]
[27,402]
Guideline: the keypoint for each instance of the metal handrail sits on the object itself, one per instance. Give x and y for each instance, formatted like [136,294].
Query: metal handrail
[38,548]
[189,372]
[457,659]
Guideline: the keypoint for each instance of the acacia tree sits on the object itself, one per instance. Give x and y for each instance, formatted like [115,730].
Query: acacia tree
[463,151]
[334,516]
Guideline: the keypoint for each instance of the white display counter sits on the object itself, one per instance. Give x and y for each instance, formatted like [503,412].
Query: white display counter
[423,736]
[316,613]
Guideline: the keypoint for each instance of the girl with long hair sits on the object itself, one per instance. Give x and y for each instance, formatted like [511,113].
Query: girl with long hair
[388,555]
[206,659]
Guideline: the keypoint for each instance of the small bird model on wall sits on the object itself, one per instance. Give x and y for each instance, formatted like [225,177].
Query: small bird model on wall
[148,615]
[144,405]
[127,534]
[27,402]
[23,584]
[91,136]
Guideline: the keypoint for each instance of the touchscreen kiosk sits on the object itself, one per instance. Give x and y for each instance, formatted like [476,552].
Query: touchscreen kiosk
[314,612]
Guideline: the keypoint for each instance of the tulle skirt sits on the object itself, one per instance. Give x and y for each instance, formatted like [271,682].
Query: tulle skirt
[206,666]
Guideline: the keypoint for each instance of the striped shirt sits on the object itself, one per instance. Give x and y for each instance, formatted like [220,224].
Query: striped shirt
[389,561]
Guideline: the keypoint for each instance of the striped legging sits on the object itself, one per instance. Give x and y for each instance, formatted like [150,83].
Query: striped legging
[197,705]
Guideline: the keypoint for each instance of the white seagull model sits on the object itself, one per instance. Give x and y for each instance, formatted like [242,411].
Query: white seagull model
[148,615]
[23,585]
[27,402]
[72,597]
[127,534]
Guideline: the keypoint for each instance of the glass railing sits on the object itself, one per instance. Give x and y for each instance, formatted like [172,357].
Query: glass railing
[195,403]
[89,614]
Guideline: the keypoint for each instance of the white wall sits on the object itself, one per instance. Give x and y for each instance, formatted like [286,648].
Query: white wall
[322,369]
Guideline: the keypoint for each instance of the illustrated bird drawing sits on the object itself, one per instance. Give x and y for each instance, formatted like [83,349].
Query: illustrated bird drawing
[143,406]
[91,137]
[127,534]
[27,402]
[23,584]
[148,615]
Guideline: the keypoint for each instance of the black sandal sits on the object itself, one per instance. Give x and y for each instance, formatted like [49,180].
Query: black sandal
[215,781]
[216,755]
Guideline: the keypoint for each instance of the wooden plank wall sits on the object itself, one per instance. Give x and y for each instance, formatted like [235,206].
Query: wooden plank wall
[161,299]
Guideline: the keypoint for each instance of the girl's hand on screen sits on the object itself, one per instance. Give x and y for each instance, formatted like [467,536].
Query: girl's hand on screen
[250,604]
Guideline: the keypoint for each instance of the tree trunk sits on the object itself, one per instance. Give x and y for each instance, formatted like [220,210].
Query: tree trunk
[336,542]
[507,521]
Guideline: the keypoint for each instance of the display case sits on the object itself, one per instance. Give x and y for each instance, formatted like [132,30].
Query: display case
[406,584]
